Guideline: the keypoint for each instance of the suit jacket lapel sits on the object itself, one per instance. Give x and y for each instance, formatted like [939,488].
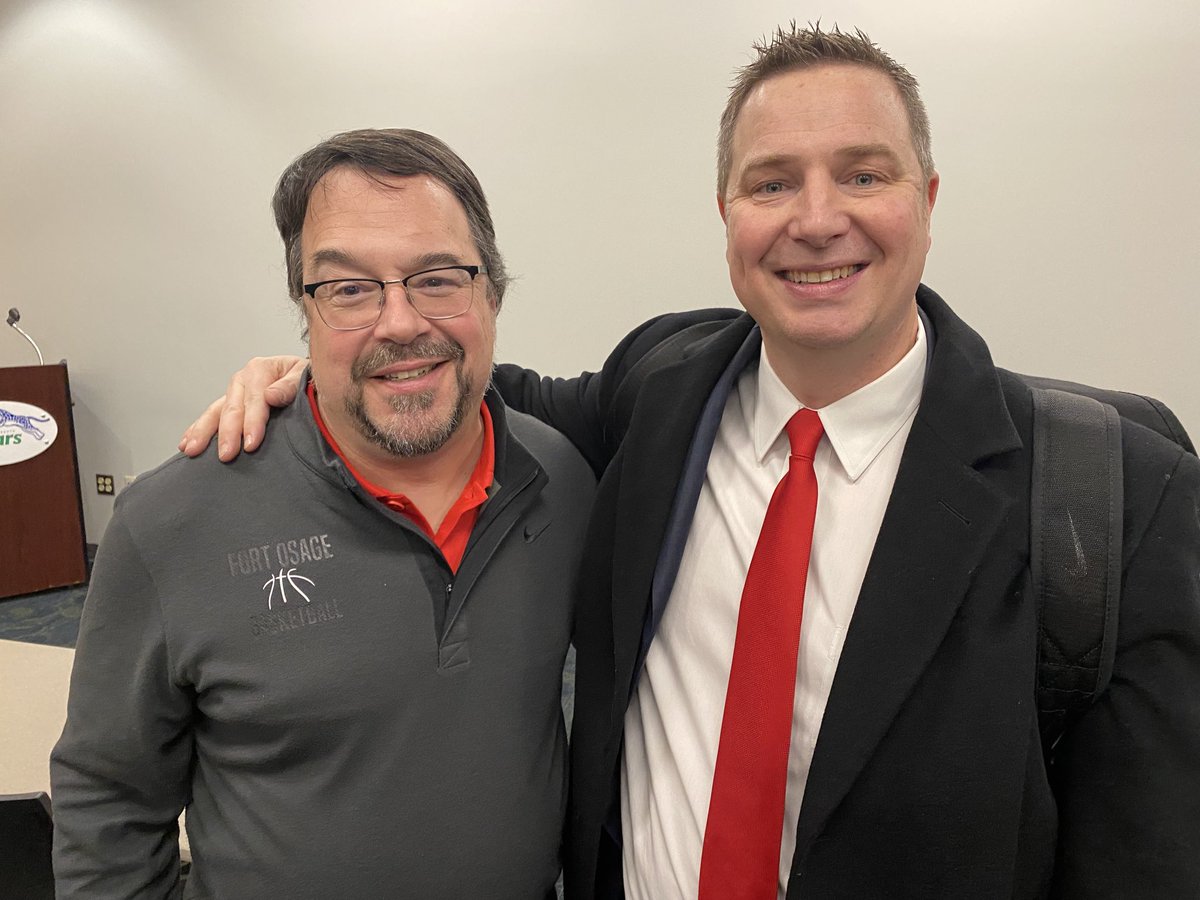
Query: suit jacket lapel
[652,466]
[940,520]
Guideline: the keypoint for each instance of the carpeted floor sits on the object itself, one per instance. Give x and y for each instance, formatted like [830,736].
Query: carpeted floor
[51,617]
[48,617]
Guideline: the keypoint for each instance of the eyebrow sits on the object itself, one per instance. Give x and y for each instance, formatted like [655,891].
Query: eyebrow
[866,151]
[852,153]
[432,260]
[331,255]
[338,257]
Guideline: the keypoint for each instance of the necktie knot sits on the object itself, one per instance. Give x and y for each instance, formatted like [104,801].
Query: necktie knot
[804,432]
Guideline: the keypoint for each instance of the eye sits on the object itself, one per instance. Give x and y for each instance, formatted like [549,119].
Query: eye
[863,179]
[771,187]
[439,282]
[347,293]
[346,289]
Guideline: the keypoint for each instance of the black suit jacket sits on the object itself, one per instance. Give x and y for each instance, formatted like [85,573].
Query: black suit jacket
[928,778]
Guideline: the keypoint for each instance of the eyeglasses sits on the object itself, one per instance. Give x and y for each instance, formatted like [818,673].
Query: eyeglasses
[348,304]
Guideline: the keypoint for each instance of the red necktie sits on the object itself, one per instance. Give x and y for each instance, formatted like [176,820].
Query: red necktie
[740,859]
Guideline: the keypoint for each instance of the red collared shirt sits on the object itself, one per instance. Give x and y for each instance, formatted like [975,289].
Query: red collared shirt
[456,527]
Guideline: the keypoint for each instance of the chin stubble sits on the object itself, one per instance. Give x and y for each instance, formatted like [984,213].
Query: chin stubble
[409,433]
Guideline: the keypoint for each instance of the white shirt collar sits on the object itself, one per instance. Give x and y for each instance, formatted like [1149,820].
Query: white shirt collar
[858,426]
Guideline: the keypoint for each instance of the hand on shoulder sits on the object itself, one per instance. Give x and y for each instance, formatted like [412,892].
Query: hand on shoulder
[239,417]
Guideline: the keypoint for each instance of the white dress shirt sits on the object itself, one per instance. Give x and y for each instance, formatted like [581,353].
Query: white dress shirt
[673,723]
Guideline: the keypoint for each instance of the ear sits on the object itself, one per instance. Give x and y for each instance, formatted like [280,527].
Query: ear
[931,192]
[935,182]
[721,205]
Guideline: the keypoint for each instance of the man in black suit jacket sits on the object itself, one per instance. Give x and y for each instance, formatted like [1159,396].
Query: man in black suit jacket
[916,767]
[928,777]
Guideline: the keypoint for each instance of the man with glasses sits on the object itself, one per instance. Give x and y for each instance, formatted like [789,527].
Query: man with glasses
[343,654]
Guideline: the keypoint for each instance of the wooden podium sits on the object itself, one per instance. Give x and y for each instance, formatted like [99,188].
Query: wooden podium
[41,510]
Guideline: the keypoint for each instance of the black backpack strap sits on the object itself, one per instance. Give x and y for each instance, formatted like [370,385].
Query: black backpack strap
[1153,414]
[1076,518]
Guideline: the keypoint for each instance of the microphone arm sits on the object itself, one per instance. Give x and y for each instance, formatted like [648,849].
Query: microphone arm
[14,316]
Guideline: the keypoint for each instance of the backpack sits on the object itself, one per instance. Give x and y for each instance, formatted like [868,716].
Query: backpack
[1076,509]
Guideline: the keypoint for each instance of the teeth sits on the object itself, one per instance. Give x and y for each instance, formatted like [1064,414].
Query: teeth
[821,276]
[408,376]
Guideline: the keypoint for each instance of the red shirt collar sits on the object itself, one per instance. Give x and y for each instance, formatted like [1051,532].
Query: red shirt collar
[456,527]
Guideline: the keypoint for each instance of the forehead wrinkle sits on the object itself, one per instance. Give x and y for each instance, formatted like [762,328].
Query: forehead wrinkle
[773,103]
[352,223]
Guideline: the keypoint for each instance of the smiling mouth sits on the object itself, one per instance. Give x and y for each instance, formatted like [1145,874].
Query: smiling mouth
[821,276]
[409,375]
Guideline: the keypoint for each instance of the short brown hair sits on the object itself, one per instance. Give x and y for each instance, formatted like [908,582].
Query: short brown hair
[806,48]
[385,151]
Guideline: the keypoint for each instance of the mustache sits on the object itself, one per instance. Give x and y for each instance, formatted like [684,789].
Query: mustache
[422,348]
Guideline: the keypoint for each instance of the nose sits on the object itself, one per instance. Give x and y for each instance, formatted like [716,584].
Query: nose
[818,214]
[399,321]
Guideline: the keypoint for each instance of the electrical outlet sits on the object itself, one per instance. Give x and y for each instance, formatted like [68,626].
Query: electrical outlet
[104,484]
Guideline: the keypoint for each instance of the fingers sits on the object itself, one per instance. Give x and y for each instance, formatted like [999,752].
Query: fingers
[200,432]
[233,413]
[286,370]
[283,391]
[239,418]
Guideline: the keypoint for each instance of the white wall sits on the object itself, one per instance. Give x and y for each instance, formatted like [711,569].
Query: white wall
[140,141]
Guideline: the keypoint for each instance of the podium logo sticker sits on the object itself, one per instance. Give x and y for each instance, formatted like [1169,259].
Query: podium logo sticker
[25,431]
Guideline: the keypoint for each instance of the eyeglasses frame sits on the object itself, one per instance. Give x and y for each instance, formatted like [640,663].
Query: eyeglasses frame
[311,290]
